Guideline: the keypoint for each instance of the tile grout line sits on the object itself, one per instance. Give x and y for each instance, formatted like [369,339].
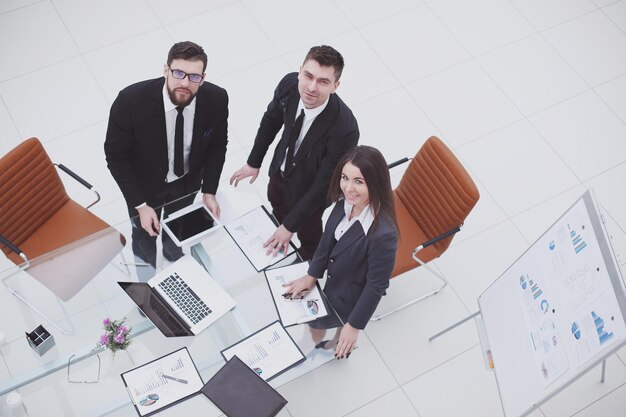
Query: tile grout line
[26,6]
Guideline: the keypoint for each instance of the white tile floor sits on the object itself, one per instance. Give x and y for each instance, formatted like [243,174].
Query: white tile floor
[531,95]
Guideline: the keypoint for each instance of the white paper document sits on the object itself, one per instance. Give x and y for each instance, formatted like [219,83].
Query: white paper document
[268,352]
[162,382]
[292,312]
[250,231]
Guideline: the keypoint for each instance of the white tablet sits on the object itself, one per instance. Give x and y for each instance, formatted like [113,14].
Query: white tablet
[190,224]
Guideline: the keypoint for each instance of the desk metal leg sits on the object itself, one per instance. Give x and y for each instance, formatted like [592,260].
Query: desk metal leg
[200,255]
[455,325]
[603,371]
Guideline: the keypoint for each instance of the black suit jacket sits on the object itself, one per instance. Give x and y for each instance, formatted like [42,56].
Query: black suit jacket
[359,266]
[136,141]
[332,133]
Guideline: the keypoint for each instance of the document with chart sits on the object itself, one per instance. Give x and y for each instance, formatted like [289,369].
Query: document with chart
[163,382]
[291,312]
[268,352]
[250,231]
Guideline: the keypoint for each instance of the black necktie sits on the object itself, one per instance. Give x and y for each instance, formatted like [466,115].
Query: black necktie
[179,157]
[293,137]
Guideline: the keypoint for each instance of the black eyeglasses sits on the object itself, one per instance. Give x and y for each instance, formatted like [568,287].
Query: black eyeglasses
[180,75]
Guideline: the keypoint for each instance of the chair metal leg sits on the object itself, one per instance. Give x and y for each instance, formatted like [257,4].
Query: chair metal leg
[420,298]
[124,264]
[455,325]
[29,304]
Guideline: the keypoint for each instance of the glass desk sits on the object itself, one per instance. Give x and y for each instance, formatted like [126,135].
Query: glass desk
[40,379]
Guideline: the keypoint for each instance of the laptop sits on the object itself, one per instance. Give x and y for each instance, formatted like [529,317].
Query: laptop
[181,300]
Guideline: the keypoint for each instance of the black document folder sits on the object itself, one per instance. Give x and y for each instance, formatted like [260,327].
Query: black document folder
[239,392]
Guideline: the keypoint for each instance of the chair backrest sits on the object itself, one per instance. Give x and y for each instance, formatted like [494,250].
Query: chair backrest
[435,195]
[31,192]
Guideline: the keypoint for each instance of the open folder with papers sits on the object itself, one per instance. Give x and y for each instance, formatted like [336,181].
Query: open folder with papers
[268,352]
[162,382]
[250,231]
[294,311]
[181,300]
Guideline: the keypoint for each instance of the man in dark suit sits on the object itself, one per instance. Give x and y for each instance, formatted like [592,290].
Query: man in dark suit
[167,139]
[318,129]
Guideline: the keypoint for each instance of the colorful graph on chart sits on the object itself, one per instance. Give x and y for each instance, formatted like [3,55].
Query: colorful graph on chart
[576,330]
[603,335]
[534,289]
[577,241]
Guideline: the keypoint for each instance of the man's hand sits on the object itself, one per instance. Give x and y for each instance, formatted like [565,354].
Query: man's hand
[279,242]
[298,288]
[245,172]
[210,202]
[149,220]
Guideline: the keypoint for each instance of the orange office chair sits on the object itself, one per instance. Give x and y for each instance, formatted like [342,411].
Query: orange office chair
[39,221]
[434,197]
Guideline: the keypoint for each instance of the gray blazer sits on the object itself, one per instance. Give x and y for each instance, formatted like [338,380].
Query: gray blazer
[359,266]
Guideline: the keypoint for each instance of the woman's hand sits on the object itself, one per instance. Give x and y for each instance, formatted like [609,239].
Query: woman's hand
[347,341]
[299,287]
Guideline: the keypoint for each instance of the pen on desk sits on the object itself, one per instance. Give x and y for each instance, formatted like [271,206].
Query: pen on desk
[182,381]
[302,299]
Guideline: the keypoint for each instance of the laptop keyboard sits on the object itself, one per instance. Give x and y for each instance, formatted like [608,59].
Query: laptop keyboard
[166,318]
[179,292]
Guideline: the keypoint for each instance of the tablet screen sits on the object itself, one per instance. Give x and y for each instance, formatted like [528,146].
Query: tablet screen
[190,224]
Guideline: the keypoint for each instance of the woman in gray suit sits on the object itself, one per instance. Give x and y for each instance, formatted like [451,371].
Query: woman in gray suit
[357,249]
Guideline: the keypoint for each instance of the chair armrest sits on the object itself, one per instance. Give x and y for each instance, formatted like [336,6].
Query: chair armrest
[398,162]
[437,239]
[15,249]
[80,180]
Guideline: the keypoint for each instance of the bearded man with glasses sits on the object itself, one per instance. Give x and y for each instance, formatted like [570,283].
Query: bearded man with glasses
[167,138]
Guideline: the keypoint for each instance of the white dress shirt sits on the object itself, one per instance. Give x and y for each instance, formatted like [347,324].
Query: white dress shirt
[170,127]
[366,218]
[309,117]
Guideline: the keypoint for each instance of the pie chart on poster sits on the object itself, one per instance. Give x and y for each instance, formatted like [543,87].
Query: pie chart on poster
[522,282]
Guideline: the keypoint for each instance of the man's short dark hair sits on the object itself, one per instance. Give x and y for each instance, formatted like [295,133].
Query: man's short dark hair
[188,51]
[326,56]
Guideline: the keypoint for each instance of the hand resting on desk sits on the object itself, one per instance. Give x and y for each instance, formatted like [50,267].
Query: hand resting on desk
[298,288]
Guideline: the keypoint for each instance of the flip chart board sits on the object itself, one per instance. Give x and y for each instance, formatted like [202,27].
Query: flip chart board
[557,312]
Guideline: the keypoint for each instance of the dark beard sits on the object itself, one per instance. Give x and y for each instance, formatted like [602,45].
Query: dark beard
[176,102]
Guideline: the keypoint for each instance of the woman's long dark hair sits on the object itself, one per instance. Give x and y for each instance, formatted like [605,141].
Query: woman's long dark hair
[376,175]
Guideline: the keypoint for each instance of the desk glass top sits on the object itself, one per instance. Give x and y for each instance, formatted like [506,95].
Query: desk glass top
[101,297]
